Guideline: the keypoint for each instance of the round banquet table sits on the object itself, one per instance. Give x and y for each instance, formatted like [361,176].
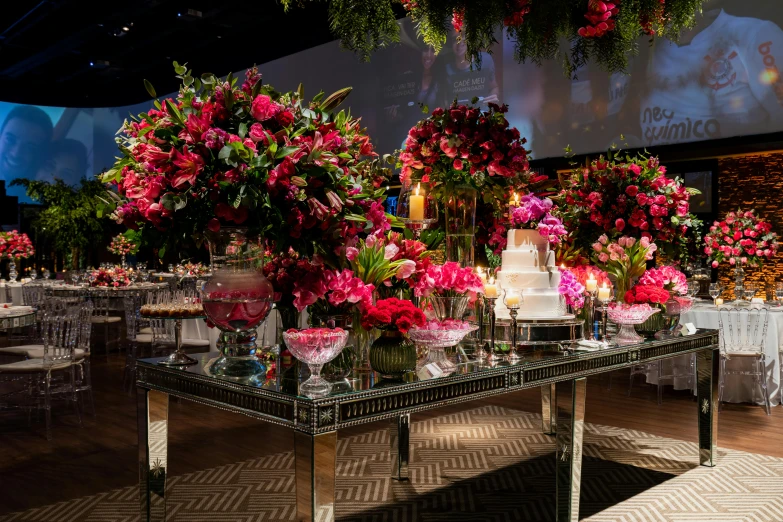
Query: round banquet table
[738,388]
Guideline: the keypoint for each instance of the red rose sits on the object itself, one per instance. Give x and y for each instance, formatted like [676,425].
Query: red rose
[632,190]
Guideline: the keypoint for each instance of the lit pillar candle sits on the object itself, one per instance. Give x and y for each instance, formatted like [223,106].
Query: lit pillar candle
[417,206]
[591,284]
[513,203]
[603,293]
[718,302]
[482,275]
[491,289]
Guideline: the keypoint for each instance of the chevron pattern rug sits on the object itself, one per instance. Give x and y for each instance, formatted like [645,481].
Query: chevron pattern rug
[485,464]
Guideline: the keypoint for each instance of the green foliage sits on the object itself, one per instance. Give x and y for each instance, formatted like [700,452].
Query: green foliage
[69,218]
[549,30]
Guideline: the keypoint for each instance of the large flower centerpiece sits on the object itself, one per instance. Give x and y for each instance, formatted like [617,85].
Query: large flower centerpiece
[634,198]
[227,154]
[625,259]
[740,239]
[14,244]
[110,277]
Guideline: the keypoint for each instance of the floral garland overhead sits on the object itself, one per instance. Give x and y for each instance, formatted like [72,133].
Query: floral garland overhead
[575,31]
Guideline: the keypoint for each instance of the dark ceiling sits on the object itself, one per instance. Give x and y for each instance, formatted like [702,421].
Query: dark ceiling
[96,53]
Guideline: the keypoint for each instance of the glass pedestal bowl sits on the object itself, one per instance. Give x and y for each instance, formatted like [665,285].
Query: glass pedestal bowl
[626,316]
[315,347]
[675,307]
[437,336]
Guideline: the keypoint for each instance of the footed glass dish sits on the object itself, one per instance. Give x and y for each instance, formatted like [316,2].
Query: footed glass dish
[627,316]
[315,347]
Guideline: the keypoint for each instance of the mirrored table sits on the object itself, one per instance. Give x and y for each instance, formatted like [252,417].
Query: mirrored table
[366,398]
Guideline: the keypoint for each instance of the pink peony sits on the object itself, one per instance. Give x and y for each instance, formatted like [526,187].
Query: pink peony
[263,108]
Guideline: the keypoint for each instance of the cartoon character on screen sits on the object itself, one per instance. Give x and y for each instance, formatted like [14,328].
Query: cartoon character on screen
[25,135]
[721,79]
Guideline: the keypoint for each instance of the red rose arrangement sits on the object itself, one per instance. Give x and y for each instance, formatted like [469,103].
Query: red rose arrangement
[122,246]
[741,238]
[393,314]
[222,154]
[13,244]
[646,294]
[632,198]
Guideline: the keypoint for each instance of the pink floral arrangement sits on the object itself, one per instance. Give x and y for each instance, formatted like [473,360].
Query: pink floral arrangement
[191,269]
[341,289]
[122,246]
[666,277]
[533,212]
[571,289]
[13,244]
[741,238]
[625,258]
[228,153]
[448,280]
[110,277]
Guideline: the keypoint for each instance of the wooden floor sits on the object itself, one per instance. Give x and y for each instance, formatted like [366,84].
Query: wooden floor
[102,455]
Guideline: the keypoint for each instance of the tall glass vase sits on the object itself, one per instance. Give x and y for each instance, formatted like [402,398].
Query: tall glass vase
[739,281]
[461,224]
[12,275]
[237,299]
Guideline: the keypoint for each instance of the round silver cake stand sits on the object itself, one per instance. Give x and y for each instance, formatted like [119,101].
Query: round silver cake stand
[539,333]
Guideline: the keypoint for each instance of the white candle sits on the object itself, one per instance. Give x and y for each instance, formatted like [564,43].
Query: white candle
[591,284]
[491,290]
[512,300]
[513,203]
[481,274]
[718,301]
[603,292]
[417,206]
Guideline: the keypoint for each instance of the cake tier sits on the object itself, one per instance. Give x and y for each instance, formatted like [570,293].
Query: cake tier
[520,260]
[529,240]
[535,303]
[521,280]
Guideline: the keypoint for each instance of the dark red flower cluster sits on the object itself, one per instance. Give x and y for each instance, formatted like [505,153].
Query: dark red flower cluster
[649,294]
[286,269]
[393,314]
[633,198]
[519,9]
[599,14]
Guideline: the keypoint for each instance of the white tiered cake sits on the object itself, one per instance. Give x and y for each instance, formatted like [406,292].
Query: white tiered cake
[528,266]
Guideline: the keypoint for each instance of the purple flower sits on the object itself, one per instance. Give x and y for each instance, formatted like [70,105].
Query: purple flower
[571,289]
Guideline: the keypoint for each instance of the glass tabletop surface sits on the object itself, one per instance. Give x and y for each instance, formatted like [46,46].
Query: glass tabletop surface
[287,382]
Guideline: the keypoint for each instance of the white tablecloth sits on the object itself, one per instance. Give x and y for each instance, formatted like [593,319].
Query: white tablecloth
[12,291]
[739,388]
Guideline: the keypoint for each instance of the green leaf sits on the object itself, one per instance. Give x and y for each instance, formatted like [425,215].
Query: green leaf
[187,80]
[300,91]
[285,151]
[150,88]
[242,132]
[208,78]
[162,252]
[335,99]
[180,69]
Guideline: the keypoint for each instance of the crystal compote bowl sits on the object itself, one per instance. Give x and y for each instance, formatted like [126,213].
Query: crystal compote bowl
[315,347]
[626,316]
[438,335]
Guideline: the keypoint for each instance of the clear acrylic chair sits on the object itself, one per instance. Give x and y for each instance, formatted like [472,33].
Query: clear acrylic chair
[682,370]
[102,315]
[60,334]
[743,333]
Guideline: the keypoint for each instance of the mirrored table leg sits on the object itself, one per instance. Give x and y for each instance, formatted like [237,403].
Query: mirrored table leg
[399,438]
[548,409]
[570,403]
[153,416]
[707,374]
[316,458]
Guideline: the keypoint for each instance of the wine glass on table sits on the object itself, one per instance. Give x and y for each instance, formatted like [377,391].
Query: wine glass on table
[714,291]
[779,292]
[75,277]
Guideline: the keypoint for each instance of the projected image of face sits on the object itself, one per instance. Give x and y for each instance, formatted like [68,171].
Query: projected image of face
[68,161]
[24,141]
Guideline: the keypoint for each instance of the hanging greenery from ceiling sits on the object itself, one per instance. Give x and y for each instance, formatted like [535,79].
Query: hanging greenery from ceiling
[574,31]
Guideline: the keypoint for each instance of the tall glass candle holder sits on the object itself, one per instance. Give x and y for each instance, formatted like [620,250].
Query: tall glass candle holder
[416,207]
[513,299]
[489,303]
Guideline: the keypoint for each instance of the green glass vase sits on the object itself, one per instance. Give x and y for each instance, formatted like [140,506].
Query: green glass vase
[393,355]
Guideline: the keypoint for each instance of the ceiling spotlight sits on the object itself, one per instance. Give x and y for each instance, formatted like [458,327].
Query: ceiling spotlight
[179,14]
[92,64]
[125,28]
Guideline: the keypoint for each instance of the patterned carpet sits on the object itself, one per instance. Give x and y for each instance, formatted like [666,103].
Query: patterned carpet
[486,464]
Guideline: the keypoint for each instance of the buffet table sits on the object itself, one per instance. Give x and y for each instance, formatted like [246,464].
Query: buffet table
[561,376]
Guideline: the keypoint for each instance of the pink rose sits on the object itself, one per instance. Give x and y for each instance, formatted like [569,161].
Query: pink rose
[714,264]
[632,190]
[619,224]
[264,108]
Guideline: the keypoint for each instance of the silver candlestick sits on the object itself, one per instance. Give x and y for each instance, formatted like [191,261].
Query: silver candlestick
[489,302]
[512,299]
[590,297]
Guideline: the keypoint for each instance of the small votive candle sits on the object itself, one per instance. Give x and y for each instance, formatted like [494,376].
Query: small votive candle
[591,284]
[718,301]
[512,300]
[604,293]
[491,290]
